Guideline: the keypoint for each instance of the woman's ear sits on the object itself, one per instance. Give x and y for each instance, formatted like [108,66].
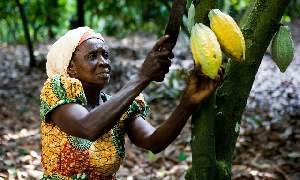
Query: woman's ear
[71,70]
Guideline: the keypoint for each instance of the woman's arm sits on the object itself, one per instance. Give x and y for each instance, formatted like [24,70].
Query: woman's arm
[75,120]
[142,134]
[145,136]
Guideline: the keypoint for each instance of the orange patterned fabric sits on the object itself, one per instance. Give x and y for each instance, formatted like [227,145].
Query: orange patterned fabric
[69,157]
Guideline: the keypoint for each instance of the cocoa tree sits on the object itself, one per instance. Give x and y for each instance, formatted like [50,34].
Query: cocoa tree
[216,122]
[32,62]
[80,13]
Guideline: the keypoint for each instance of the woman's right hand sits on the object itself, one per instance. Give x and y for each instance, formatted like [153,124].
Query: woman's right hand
[157,62]
[200,86]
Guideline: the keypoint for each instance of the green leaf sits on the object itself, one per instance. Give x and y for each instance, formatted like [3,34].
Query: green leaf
[253,120]
[162,173]
[23,152]
[13,171]
[151,155]
[182,156]
[24,109]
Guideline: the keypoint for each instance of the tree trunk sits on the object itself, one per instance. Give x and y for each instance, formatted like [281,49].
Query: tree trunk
[80,13]
[32,62]
[213,146]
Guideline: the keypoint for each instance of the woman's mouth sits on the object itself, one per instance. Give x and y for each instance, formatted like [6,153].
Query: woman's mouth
[103,74]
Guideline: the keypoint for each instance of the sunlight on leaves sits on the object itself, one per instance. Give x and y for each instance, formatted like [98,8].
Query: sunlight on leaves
[12,171]
[162,173]
[286,18]
[23,133]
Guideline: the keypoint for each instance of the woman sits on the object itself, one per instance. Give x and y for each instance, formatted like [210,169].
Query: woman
[83,129]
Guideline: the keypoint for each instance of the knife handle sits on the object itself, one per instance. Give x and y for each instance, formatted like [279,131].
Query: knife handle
[165,47]
[168,46]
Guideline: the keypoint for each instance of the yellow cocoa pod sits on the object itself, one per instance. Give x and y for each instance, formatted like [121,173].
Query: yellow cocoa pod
[206,49]
[228,33]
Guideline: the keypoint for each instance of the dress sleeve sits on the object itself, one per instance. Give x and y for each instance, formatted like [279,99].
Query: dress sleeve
[59,90]
[138,107]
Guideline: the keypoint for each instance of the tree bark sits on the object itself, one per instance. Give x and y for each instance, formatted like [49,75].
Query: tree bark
[32,62]
[80,13]
[203,123]
[203,140]
[231,97]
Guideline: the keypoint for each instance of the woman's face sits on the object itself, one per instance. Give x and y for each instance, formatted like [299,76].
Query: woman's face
[90,63]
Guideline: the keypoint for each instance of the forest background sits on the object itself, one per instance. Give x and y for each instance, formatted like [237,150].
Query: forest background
[268,145]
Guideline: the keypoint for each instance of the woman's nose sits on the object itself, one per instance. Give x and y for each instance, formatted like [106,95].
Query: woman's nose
[102,62]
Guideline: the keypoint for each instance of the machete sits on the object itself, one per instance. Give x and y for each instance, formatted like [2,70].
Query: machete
[173,27]
[174,22]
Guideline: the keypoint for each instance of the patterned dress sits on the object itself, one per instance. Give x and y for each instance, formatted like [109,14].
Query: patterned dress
[69,157]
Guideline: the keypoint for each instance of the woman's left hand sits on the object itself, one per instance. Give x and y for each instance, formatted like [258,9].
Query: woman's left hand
[200,86]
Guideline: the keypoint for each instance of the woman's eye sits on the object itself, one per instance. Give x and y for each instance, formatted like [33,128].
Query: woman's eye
[92,56]
[105,55]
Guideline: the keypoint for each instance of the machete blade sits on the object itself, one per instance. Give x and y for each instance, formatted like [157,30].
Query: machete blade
[174,21]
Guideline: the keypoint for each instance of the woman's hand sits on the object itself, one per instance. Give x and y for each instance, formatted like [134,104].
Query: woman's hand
[143,135]
[157,62]
[200,86]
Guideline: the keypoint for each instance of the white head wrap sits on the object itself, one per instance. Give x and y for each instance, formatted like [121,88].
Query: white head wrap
[61,51]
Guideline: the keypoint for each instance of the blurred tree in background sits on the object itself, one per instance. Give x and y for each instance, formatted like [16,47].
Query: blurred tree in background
[48,19]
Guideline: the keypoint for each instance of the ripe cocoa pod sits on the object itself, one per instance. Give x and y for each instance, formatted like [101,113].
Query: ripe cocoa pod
[191,17]
[283,48]
[206,49]
[228,33]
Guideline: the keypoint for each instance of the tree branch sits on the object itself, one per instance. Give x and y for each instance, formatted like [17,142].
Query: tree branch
[238,80]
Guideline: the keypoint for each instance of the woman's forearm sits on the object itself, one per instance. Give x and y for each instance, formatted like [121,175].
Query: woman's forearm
[167,132]
[104,117]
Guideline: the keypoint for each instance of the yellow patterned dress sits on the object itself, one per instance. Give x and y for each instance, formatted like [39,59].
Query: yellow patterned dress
[69,157]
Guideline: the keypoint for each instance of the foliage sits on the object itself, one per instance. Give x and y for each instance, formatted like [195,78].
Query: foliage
[8,21]
[117,18]
[49,17]
[44,19]
[292,11]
